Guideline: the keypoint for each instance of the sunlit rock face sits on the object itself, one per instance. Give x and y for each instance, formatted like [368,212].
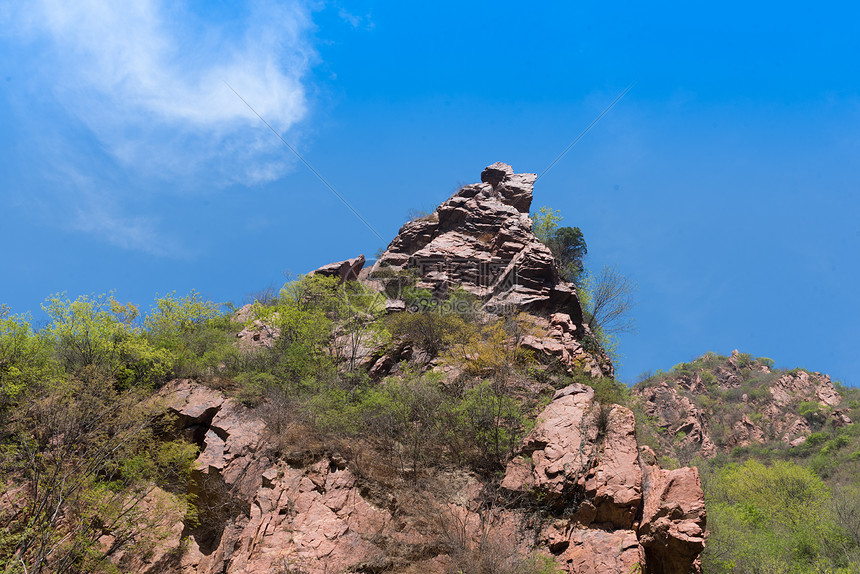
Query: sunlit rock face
[607,506]
[481,240]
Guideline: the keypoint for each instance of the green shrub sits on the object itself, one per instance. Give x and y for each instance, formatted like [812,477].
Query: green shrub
[817,438]
[744,359]
[767,362]
[492,421]
[608,391]
[24,357]
[429,331]
[769,519]
[93,454]
[834,445]
[99,333]
[813,412]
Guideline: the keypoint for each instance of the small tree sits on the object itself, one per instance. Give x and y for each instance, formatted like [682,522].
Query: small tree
[100,333]
[566,243]
[545,222]
[24,357]
[609,301]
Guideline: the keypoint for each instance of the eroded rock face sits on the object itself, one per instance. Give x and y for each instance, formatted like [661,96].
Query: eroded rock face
[582,459]
[562,341]
[481,239]
[678,414]
[257,334]
[803,386]
[260,513]
[672,532]
[348,270]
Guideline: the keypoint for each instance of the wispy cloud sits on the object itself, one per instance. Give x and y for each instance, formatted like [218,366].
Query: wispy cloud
[146,80]
[354,20]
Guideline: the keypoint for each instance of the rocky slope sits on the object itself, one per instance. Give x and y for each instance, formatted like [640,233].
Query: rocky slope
[581,493]
[716,404]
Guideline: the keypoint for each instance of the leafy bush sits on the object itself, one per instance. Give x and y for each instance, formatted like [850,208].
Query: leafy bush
[767,362]
[192,329]
[817,438]
[429,331]
[99,333]
[88,459]
[24,357]
[813,412]
[493,422]
[769,518]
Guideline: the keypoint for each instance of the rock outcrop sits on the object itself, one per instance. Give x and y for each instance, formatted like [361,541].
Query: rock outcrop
[481,240]
[610,509]
[257,334]
[714,405]
[348,270]
[672,532]
[260,513]
[582,460]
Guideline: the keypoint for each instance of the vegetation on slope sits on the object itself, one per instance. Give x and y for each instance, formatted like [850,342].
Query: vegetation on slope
[92,468]
[772,507]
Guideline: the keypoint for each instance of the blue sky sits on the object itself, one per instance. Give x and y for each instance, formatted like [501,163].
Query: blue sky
[725,183]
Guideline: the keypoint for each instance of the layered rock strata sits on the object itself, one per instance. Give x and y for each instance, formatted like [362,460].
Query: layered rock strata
[481,240]
[583,461]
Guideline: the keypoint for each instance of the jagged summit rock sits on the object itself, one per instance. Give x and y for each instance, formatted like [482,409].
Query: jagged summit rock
[481,239]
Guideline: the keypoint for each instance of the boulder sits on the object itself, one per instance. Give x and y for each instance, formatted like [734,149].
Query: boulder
[348,270]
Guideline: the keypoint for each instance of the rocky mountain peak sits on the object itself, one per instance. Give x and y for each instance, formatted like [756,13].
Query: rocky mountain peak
[481,239]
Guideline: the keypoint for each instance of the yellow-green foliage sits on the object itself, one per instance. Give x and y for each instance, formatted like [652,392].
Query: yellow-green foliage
[775,518]
[99,332]
[492,349]
[429,331]
[88,457]
[24,357]
[494,421]
[545,222]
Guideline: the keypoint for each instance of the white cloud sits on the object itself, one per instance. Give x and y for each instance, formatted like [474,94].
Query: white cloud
[147,80]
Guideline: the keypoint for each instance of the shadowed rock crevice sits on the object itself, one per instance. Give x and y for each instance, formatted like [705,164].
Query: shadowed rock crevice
[215,509]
